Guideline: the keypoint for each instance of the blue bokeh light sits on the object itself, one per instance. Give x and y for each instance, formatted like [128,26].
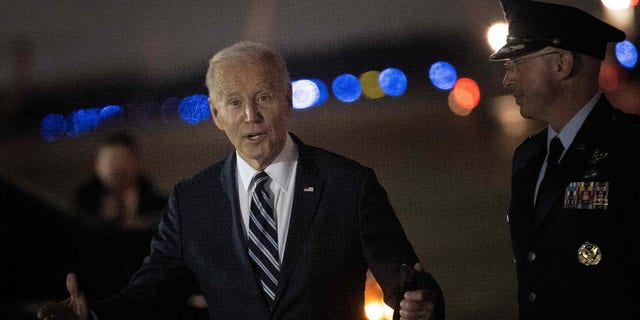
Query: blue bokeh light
[443,75]
[347,88]
[194,109]
[109,113]
[305,93]
[82,121]
[53,126]
[392,81]
[323,90]
[169,109]
[627,54]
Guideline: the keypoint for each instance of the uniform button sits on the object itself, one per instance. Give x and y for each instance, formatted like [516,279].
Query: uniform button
[531,256]
[531,296]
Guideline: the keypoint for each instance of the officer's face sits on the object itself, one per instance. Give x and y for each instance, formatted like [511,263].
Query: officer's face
[531,82]
[251,106]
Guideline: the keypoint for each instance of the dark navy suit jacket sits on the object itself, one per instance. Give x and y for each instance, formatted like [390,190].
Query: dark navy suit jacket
[341,224]
[552,282]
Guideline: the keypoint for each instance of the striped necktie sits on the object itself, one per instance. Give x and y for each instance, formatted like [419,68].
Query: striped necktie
[263,238]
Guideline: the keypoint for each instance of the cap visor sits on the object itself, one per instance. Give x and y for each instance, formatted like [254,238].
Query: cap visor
[511,50]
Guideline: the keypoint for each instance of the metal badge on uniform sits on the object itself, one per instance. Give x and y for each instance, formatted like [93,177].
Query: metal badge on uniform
[587,195]
[589,254]
[590,174]
[597,156]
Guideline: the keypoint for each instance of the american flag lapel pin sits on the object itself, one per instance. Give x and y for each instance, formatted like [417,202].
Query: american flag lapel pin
[309,189]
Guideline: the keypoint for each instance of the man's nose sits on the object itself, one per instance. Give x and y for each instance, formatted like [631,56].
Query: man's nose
[252,114]
[507,81]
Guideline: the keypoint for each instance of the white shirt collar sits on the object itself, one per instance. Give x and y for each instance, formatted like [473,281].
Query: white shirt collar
[569,132]
[279,170]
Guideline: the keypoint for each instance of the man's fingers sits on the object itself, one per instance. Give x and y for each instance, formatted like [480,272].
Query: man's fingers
[72,285]
[416,295]
[52,310]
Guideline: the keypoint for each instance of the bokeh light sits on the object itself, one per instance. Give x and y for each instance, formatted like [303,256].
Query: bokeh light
[455,107]
[323,90]
[627,54]
[443,75]
[110,114]
[110,111]
[617,4]
[370,86]
[393,81]
[374,311]
[497,35]
[194,109]
[53,126]
[466,93]
[169,109]
[612,77]
[305,93]
[346,88]
[82,121]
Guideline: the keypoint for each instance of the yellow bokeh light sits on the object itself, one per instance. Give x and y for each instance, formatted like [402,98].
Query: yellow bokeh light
[497,35]
[370,86]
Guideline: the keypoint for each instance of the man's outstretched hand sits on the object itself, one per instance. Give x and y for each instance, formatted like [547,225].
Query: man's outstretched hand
[72,308]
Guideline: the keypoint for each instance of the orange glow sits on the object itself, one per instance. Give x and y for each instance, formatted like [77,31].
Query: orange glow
[456,107]
[612,77]
[374,306]
[634,3]
[466,93]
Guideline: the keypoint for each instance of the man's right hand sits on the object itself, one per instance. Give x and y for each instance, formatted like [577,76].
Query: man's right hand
[72,308]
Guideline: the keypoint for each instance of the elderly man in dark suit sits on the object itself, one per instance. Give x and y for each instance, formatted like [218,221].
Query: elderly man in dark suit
[277,230]
[575,206]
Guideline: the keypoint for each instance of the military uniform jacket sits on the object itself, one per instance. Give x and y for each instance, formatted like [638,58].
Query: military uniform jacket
[583,258]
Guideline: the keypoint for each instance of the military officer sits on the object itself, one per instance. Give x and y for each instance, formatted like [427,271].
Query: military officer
[574,214]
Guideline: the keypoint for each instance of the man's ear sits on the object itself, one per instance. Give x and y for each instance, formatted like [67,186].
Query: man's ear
[289,102]
[214,114]
[565,64]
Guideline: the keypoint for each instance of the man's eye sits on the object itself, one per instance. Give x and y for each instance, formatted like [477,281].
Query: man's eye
[234,103]
[263,98]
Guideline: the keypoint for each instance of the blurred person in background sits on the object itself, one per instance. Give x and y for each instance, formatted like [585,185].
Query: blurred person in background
[118,192]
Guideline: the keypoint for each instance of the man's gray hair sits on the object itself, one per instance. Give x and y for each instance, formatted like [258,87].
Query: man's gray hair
[249,50]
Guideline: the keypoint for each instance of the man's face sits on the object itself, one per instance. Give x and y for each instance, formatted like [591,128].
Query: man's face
[250,105]
[531,82]
[116,166]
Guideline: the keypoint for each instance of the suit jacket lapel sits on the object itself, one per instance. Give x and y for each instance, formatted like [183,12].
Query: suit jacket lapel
[230,186]
[308,189]
[525,176]
[575,161]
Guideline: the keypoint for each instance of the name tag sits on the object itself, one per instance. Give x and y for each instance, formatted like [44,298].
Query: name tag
[587,195]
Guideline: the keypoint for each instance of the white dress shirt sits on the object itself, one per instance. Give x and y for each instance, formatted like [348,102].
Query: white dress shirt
[282,172]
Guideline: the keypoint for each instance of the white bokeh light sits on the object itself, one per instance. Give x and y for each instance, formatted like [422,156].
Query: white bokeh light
[305,93]
[617,4]
[497,35]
